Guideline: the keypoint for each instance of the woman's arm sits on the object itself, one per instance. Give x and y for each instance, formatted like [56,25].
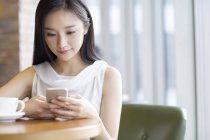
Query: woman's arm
[77,106]
[111,105]
[19,86]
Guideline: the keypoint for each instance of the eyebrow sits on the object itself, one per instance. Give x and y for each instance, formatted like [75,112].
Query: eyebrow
[70,26]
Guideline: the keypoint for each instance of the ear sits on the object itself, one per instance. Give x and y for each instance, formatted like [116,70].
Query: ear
[86,28]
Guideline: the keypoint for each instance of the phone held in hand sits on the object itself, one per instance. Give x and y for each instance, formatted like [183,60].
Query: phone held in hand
[52,93]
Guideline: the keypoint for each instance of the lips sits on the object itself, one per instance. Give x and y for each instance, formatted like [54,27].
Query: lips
[63,51]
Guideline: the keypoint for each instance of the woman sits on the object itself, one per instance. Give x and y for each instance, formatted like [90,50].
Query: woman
[64,57]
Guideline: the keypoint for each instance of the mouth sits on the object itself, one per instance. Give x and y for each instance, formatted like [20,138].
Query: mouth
[63,52]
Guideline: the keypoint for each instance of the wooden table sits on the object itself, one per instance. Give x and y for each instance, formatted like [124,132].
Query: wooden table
[49,129]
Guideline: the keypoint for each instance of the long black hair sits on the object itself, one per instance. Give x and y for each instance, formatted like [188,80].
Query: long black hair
[41,50]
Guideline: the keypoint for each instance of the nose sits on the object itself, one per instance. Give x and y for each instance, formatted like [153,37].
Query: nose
[63,42]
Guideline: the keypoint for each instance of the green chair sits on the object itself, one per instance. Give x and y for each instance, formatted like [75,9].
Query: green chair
[152,122]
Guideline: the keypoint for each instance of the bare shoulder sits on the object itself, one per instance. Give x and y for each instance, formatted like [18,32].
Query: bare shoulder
[26,74]
[22,83]
[28,71]
[112,79]
[112,73]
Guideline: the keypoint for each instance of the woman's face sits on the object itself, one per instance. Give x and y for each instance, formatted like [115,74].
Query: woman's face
[64,33]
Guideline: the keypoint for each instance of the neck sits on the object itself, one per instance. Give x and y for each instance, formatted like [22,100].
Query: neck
[69,68]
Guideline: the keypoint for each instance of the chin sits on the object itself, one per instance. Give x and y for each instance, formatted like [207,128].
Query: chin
[65,59]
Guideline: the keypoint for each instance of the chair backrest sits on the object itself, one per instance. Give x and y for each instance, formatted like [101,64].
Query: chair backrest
[152,122]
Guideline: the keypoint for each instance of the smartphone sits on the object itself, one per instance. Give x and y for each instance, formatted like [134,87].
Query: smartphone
[52,93]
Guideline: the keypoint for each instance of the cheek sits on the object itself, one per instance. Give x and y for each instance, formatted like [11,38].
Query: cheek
[51,43]
[76,41]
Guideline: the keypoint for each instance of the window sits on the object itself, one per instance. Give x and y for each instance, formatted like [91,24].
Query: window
[169,29]
[151,42]
[202,30]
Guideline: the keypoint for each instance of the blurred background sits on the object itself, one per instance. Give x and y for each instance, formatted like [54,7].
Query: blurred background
[161,48]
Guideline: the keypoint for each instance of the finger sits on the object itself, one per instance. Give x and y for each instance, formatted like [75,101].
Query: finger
[77,96]
[66,105]
[75,108]
[53,106]
[58,103]
[74,101]
[61,112]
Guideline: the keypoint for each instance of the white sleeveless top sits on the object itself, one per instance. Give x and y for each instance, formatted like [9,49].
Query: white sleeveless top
[88,83]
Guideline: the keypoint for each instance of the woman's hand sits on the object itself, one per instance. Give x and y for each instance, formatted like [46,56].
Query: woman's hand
[37,107]
[73,107]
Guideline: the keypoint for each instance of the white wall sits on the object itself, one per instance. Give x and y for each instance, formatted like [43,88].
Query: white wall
[26,31]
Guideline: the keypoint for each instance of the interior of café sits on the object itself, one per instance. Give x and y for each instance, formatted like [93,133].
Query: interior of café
[161,49]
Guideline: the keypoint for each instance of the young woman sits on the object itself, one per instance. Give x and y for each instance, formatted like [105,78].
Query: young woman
[64,57]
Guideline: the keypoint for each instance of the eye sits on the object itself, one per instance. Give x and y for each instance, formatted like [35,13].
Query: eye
[69,33]
[51,34]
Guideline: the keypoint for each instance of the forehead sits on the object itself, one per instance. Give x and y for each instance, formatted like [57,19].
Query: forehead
[61,18]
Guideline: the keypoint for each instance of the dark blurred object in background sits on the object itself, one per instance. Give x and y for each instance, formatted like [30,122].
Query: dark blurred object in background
[9,39]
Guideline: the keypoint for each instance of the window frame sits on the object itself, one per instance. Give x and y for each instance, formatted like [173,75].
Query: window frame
[202,32]
[185,63]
